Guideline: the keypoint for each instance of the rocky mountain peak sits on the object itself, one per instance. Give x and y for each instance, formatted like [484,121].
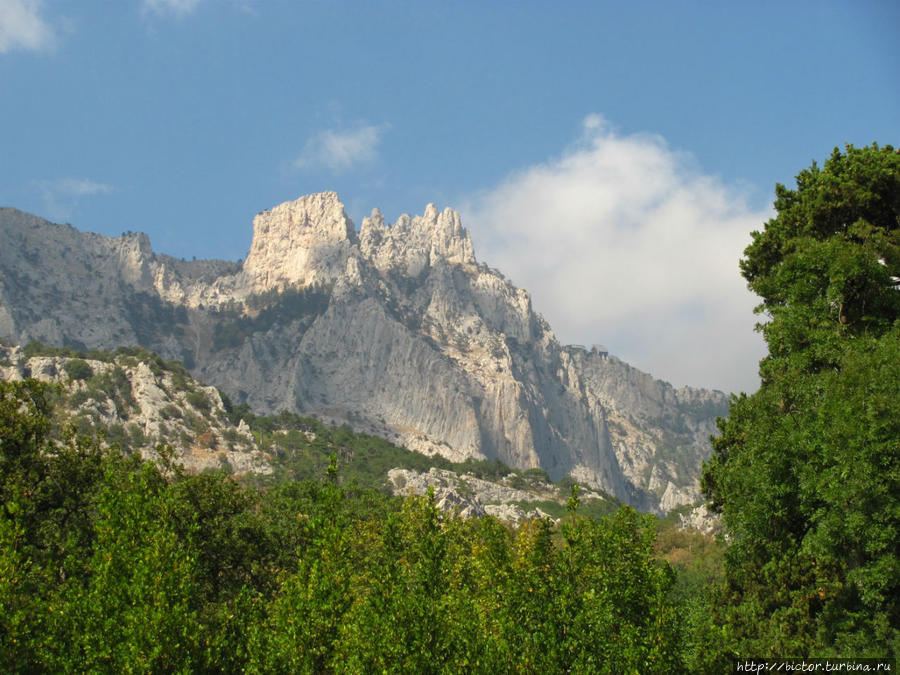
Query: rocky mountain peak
[134,256]
[300,242]
[414,243]
[311,239]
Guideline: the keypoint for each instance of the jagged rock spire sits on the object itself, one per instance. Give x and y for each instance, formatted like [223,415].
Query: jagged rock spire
[310,240]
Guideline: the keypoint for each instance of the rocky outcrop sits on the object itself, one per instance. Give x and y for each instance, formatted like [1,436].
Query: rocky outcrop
[702,520]
[469,497]
[139,406]
[299,243]
[413,244]
[397,330]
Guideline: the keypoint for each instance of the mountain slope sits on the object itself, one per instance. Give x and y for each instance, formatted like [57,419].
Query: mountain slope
[138,401]
[396,330]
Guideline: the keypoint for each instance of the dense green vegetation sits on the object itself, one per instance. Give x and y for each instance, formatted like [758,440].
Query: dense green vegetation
[110,564]
[806,470]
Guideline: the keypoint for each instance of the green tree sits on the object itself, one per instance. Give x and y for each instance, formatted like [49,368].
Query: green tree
[134,613]
[93,577]
[112,564]
[399,622]
[805,471]
[46,528]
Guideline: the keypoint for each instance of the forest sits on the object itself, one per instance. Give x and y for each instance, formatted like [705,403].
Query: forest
[112,564]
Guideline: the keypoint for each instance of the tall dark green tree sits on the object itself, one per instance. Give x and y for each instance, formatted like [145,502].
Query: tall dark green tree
[805,470]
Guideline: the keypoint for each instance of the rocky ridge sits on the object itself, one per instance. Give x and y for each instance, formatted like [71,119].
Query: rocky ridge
[470,497]
[396,330]
[140,404]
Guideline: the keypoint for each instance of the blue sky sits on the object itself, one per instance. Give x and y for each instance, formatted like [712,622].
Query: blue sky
[611,158]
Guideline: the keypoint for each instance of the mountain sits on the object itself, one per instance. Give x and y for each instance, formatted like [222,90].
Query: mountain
[133,398]
[396,330]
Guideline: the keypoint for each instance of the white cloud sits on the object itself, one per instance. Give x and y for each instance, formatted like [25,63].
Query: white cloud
[80,187]
[177,7]
[623,241]
[61,196]
[21,26]
[339,151]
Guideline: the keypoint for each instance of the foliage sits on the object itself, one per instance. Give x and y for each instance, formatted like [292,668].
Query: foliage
[152,318]
[79,369]
[305,444]
[199,400]
[266,309]
[153,360]
[38,348]
[805,471]
[697,562]
[110,564]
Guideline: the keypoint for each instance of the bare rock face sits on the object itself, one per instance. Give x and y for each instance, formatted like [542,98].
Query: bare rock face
[702,520]
[299,243]
[413,244]
[397,330]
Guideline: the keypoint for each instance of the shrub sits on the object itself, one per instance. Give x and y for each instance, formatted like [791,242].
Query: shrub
[170,412]
[79,369]
[199,400]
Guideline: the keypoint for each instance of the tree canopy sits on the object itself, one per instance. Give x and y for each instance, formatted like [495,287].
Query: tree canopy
[111,564]
[805,471]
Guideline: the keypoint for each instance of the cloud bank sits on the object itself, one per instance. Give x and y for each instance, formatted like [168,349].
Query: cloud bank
[339,151]
[22,27]
[623,241]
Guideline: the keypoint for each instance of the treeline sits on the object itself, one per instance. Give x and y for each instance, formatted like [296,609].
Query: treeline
[153,360]
[111,564]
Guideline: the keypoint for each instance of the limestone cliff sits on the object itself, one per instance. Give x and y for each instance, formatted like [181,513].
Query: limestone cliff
[299,243]
[396,330]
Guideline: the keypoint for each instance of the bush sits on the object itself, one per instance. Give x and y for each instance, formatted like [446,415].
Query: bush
[170,412]
[79,369]
[199,400]
[537,475]
[79,397]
